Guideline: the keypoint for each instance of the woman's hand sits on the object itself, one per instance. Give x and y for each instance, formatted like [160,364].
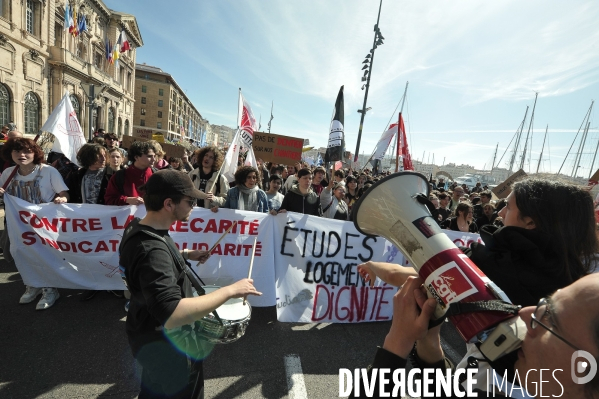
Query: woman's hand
[1,192]
[390,273]
[282,211]
[209,196]
[365,270]
[214,209]
[134,200]
[273,212]
[60,200]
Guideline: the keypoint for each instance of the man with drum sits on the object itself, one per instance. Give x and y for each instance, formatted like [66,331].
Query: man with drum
[161,292]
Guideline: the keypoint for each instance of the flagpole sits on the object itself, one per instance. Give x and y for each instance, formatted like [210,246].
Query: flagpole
[403,101]
[235,139]
[377,40]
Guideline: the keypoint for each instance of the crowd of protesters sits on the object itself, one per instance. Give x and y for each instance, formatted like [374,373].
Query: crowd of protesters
[110,175]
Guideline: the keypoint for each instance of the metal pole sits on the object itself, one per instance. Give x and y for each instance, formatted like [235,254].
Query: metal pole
[363,111]
[543,147]
[90,100]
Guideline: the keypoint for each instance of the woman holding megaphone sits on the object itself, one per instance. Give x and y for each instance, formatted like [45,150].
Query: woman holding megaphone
[547,242]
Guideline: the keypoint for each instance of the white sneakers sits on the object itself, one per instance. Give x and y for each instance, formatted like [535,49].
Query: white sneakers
[30,294]
[49,296]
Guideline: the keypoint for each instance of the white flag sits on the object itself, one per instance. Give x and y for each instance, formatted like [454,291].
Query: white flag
[384,141]
[230,165]
[65,127]
[246,122]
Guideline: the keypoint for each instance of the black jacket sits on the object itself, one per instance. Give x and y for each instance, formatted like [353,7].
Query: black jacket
[75,187]
[295,201]
[521,262]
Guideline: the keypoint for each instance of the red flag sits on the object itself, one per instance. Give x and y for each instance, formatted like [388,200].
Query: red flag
[402,148]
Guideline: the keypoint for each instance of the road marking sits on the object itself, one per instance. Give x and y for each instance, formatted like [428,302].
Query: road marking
[295,377]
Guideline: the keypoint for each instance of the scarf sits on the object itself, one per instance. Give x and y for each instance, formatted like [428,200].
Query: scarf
[252,198]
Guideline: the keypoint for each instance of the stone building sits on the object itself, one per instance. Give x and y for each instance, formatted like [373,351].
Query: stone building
[161,106]
[40,59]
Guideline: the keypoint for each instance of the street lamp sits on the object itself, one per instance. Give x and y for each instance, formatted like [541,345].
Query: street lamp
[88,89]
[367,68]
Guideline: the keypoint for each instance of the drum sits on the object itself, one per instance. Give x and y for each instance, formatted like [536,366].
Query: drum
[235,317]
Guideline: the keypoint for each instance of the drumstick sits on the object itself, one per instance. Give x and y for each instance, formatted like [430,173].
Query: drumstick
[220,239]
[252,261]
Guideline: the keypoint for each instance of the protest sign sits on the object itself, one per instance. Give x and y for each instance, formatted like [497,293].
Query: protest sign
[505,188]
[62,246]
[305,265]
[277,149]
[317,271]
[171,150]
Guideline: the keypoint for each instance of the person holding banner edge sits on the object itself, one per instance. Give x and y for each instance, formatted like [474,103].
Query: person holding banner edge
[161,291]
[32,181]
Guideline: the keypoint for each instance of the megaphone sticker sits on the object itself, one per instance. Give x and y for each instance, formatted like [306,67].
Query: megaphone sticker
[449,284]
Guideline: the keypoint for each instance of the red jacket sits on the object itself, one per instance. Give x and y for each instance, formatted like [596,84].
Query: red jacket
[134,178]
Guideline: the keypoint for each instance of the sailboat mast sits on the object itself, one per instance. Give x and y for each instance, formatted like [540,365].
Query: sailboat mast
[532,118]
[542,148]
[403,101]
[573,141]
[594,157]
[581,149]
[517,144]
[494,157]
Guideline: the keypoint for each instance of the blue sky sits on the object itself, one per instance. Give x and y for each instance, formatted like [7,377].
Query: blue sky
[473,67]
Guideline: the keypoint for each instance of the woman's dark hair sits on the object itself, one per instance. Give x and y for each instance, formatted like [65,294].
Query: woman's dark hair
[139,148]
[22,143]
[463,207]
[218,157]
[88,154]
[179,161]
[303,172]
[564,212]
[275,177]
[242,174]
[350,178]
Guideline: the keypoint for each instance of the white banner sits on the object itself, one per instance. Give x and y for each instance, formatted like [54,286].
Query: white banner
[305,265]
[62,246]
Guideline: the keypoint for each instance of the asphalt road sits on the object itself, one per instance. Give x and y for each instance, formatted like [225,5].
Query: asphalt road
[79,350]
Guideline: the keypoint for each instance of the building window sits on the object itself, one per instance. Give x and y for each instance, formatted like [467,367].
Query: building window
[4,105]
[32,112]
[160,114]
[126,132]
[142,122]
[76,106]
[129,87]
[159,125]
[143,111]
[144,89]
[110,120]
[120,130]
[4,8]
[98,60]
[30,16]
[122,76]
[160,103]
[57,32]
[143,100]
[160,92]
